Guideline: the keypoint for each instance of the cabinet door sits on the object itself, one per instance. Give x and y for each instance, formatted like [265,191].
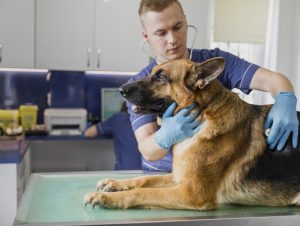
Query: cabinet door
[118,36]
[17,33]
[64,34]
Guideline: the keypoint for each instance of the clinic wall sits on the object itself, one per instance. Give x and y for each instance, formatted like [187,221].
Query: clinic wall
[285,41]
[288,56]
[199,16]
[296,56]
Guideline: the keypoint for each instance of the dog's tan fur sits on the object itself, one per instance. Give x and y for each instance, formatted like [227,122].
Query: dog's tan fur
[211,167]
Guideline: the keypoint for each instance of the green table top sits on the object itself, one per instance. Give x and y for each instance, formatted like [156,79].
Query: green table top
[57,198]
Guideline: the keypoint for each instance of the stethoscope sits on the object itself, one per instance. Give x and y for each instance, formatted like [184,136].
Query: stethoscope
[192,46]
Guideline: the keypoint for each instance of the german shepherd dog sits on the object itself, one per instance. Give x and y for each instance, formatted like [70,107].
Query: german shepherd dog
[227,161]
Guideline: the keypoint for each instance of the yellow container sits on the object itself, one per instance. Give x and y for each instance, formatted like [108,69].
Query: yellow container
[28,115]
[9,119]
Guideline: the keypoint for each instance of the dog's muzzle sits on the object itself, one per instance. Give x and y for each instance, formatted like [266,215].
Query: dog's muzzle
[143,99]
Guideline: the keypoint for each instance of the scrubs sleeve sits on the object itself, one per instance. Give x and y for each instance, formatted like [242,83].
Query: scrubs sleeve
[105,127]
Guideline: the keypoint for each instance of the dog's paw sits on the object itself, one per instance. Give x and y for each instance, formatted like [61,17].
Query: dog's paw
[96,198]
[111,185]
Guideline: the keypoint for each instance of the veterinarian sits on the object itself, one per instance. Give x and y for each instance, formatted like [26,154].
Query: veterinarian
[126,150]
[165,30]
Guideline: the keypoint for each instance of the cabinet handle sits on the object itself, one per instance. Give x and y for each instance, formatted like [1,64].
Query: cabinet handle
[88,62]
[98,58]
[0,53]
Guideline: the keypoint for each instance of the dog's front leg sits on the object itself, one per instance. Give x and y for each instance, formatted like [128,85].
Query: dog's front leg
[112,185]
[178,197]
[140,197]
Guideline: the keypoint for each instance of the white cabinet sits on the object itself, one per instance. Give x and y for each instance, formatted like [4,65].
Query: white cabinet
[64,34]
[13,180]
[81,34]
[17,33]
[118,36]
[88,35]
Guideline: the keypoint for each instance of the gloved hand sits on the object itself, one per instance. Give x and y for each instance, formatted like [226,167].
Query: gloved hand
[282,119]
[178,127]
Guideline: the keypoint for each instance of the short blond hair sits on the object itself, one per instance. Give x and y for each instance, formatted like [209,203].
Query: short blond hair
[156,5]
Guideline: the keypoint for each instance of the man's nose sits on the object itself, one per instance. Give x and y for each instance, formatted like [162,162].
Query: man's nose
[171,38]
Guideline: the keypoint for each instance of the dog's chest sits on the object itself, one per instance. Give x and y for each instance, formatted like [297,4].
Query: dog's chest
[183,159]
[183,147]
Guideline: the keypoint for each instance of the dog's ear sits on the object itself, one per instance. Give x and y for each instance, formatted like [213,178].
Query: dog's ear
[202,73]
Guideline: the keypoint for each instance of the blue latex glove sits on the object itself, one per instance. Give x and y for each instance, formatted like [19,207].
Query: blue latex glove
[282,120]
[178,127]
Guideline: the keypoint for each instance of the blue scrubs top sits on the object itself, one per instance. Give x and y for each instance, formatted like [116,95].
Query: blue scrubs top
[237,73]
[118,126]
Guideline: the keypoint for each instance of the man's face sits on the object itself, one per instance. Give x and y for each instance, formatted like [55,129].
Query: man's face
[167,33]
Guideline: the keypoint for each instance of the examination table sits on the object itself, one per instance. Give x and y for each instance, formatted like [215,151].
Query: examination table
[57,199]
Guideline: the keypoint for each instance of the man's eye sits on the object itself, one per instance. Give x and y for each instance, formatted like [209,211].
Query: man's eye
[177,28]
[160,33]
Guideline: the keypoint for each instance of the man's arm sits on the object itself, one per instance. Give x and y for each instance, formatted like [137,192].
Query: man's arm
[269,81]
[148,147]
[91,131]
[282,119]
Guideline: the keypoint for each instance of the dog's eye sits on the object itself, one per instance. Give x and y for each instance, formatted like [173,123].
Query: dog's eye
[160,76]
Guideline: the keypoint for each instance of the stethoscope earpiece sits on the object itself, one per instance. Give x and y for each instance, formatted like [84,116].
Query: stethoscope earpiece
[143,49]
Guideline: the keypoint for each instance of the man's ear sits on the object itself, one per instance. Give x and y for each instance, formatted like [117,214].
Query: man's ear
[145,35]
[202,73]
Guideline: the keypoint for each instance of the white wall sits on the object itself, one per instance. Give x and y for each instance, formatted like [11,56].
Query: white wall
[296,55]
[198,14]
[288,57]
[285,37]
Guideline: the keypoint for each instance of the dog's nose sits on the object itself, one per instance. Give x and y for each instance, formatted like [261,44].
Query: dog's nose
[123,90]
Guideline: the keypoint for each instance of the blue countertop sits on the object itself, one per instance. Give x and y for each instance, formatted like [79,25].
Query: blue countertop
[12,149]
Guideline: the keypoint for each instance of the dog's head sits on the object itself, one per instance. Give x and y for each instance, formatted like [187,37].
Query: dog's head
[178,80]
